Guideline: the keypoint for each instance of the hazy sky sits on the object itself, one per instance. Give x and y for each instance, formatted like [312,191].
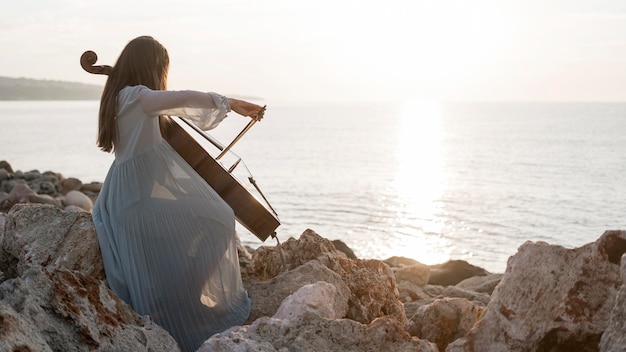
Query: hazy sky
[338,49]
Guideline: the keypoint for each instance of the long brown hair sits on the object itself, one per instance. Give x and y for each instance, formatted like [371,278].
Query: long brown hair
[144,61]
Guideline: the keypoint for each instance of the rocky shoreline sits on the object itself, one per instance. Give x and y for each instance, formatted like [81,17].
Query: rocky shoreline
[54,297]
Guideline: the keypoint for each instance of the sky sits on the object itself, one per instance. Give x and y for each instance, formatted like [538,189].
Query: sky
[338,50]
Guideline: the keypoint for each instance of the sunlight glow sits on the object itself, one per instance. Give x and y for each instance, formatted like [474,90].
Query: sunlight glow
[420,182]
[419,178]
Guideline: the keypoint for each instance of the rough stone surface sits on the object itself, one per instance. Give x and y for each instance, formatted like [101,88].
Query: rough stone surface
[43,235]
[614,338]
[267,263]
[409,292]
[69,184]
[444,320]
[63,310]
[564,304]
[373,290]
[267,296]
[483,284]
[79,199]
[321,298]
[453,271]
[52,293]
[417,274]
[372,285]
[312,333]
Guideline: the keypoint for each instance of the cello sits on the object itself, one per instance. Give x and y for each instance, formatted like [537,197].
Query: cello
[249,211]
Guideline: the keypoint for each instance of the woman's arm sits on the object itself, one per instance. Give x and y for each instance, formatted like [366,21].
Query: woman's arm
[205,110]
[157,102]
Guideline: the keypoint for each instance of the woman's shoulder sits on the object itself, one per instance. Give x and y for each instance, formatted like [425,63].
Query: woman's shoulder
[133,89]
[129,96]
[130,93]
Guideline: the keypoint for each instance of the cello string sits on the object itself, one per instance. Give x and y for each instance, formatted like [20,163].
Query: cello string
[224,150]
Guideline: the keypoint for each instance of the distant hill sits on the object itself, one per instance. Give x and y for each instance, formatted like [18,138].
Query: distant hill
[35,89]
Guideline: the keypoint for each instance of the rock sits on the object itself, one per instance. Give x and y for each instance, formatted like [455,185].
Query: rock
[93,187]
[396,261]
[21,190]
[452,272]
[32,175]
[18,192]
[4,175]
[42,235]
[266,261]
[417,274]
[564,304]
[69,184]
[75,208]
[484,284]
[614,337]
[61,310]
[47,187]
[444,320]
[411,307]
[53,177]
[475,297]
[267,296]
[409,292]
[373,290]
[43,199]
[22,193]
[2,222]
[343,248]
[321,298]
[312,333]
[6,166]
[7,185]
[53,296]
[79,199]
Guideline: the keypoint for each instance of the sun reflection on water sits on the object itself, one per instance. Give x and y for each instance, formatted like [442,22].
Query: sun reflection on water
[419,184]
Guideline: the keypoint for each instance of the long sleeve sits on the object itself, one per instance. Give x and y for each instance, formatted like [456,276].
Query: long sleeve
[206,110]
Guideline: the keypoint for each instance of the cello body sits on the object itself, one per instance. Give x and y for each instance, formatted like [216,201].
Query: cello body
[249,211]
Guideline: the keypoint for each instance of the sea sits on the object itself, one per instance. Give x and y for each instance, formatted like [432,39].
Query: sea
[425,180]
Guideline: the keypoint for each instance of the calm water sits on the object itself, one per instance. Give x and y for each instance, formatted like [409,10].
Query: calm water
[428,181]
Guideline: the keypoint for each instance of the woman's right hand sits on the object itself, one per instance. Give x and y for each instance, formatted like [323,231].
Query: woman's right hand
[245,108]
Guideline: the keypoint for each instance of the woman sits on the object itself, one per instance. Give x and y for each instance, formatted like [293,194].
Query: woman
[167,238]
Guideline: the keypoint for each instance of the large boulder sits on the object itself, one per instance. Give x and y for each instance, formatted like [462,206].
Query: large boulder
[444,320]
[614,338]
[551,299]
[267,296]
[371,283]
[44,235]
[453,271]
[52,293]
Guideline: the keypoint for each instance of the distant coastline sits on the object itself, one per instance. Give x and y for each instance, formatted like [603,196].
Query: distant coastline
[35,89]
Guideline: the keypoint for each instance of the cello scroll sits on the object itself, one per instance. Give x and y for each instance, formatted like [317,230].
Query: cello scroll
[88,60]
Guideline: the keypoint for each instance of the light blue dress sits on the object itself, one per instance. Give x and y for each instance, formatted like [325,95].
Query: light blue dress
[167,238]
